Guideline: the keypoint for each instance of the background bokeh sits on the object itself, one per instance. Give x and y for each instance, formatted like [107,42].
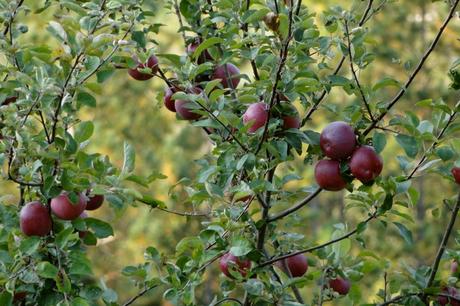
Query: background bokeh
[132,111]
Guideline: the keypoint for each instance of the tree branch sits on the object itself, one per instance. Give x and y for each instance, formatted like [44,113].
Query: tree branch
[419,67]
[297,206]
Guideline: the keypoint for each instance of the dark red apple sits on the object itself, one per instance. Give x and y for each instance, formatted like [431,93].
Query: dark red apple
[340,285]
[168,101]
[296,264]
[183,106]
[456,173]
[256,115]
[291,118]
[204,56]
[327,175]
[151,63]
[19,296]
[9,100]
[338,140]
[64,209]
[230,80]
[443,300]
[94,202]
[35,219]
[366,164]
[230,261]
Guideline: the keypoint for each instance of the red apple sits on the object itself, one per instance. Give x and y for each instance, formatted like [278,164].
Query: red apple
[296,264]
[152,63]
[182,106]
[221,73]
[327,175]
[443,300]
[456,173]
[366,164]
[35,219]
[204,56]
[19,296]
[168,101]
[338,140]
[64,209]
[9,100]
[230,261]
[256,115]
[340,285]
[94,202]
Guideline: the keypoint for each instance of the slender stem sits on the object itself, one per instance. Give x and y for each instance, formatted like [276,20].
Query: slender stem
[417,69]
[353,72]
[311,249]
[181,23]
[444,241]
[296,207]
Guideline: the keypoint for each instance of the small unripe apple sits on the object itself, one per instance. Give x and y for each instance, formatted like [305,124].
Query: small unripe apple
[152,63]
[228,81]
[35,219]
[183,106]
[340,285]
[456,174]
[443,300]
[9,100]
[366,164]
[338,140]
[296,264]
[64,209]
[327,175]
[204,56]
[168,101]
[256,115]
[230,261]
[94,202]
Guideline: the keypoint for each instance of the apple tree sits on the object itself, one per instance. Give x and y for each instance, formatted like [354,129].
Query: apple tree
[254,76]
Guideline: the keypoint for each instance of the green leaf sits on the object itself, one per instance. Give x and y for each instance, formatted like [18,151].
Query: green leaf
[129,159]
[6,298]
[47,270]
[404,232]
[254,287]
[409,144]
[84,98]
[63,237]
[385,82]
[256,15]
[79,302]
[101,229]
[445,153]
[29,245]
[206,44]
[379,141]
[57,31]
[84,131]
[241,246]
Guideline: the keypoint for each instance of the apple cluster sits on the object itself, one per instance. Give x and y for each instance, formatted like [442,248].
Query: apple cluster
[35,218]
[256,114]
[338,143]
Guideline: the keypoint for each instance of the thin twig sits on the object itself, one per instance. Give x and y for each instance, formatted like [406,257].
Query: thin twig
[297,206]
[419,67]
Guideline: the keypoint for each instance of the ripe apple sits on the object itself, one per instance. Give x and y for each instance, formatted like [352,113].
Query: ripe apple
[327,175]
[167,99]
[152,63]
[340,285]
[204,56]
[233,73]
[338,140]
[296,264]
[35,219]
[64,209]
[230,261]
[366,164]
[443,300]
[456,173]
[183,106]
[290,116]
[19,296]
[94,202]
[256,115]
